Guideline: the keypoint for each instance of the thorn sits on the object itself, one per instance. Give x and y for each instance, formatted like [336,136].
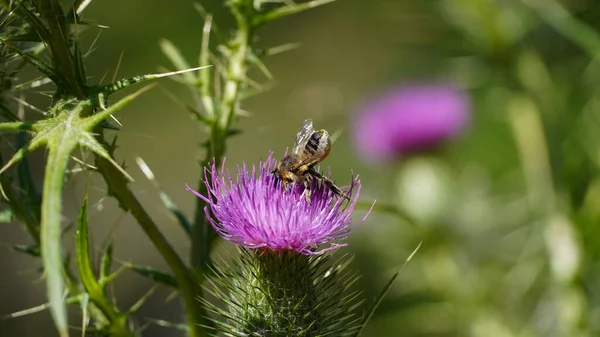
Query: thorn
[118,167]
[3,193]
[336,134]
[153,76]
[118,66]
[82,6]
[30,106]
[115,119]
[29,311]
[282,48]
[83,163]
[142,300]
[145,169]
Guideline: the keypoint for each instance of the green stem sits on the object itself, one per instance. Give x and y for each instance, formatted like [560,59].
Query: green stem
[203,235]
[188,285]
[238,65]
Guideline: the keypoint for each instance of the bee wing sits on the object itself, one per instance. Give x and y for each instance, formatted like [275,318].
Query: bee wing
[302,136]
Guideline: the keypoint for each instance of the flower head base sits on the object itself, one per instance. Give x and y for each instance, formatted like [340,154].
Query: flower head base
[410,119]
[254,211]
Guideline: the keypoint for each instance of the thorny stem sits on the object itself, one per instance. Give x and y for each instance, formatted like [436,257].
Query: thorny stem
[187,284]
[237,66]
[63,59]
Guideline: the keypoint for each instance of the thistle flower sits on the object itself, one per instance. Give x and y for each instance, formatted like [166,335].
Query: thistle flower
[254,211]
[410,119]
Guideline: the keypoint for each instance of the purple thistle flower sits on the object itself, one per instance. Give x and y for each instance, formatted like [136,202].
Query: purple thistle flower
[254,211]
[410,119]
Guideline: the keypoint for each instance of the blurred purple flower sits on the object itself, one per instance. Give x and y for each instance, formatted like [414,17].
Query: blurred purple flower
[255,212]
[410,119]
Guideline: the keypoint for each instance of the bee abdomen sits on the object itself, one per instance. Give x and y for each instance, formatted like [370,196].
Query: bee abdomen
[315,143]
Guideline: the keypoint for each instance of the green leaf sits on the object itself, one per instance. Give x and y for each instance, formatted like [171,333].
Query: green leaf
[154,274]
[384,291]
[106,263]
[117,321]
[84,260]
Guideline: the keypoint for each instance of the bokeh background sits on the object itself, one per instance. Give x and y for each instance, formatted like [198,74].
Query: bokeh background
[507,212]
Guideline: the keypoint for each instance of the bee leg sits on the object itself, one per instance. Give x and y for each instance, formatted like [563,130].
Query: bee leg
[278,176]
[334,188]
[307,190]
[329,183]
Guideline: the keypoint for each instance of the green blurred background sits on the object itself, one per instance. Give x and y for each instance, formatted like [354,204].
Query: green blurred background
[508,213]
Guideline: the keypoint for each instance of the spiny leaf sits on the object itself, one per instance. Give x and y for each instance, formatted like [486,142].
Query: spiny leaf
[95,290]
[58,157]
[14,126]
[154,274]
[127,82]
[61,134]
[384,291]
[35,143]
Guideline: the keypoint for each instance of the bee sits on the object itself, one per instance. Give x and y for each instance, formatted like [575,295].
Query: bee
[311,147]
